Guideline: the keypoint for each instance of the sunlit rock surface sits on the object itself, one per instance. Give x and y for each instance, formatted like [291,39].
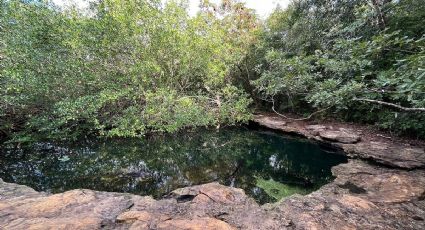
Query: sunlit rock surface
[362,197]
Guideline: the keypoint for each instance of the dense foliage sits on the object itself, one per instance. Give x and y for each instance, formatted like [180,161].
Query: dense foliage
[122,68]
[128,67]
[361,60]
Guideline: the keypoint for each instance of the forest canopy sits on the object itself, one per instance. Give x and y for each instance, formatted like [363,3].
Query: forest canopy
[358,60]
[130,67]
[127,68]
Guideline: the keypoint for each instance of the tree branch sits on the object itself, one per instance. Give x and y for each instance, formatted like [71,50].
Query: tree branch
[299,119]
[391,105]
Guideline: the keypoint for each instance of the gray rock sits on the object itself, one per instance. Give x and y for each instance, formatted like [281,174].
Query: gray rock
[340,136]
[316,127]
[387,152]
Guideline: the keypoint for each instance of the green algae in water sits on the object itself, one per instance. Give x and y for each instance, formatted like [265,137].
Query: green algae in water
[279,190]
[266,165]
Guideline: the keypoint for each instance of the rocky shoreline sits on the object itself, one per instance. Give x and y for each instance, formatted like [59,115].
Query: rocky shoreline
[355,141]
[381,187]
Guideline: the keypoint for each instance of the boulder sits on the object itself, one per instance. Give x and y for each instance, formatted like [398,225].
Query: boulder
[214,192]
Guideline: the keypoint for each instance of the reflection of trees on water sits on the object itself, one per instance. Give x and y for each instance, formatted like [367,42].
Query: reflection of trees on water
[157,165]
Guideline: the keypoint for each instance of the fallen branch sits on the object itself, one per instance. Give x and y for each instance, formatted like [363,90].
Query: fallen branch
[391,105]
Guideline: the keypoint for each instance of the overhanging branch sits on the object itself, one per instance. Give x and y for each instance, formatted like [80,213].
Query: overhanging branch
[299,119]
[391,105]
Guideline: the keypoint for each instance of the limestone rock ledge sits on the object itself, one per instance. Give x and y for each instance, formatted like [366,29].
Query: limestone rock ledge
[363,196]
[357,144]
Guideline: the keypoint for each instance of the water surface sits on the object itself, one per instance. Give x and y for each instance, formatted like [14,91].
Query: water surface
[266,165]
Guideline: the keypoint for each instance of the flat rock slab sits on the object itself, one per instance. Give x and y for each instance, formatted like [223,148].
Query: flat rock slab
[340,136]
[386,151]
[77,209]
[362,197]
[388,154]
[271,122]
[212,206]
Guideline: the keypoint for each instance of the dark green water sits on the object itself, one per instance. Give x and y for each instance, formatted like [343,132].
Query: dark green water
[267,166]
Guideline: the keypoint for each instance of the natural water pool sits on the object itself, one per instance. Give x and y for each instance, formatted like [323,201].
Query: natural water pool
[268,166]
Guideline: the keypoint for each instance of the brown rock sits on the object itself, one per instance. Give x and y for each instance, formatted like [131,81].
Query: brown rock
[214,192]
[141,216]
[387,152]
[380,185]
[316,127]
[139,225]
[10,191]
[201,199]
[51,205]
[53,224]
[362,197]
[340,136]
[135,215]
[356,203]
[271,122]
[195,224]
[77,209]
[392,155]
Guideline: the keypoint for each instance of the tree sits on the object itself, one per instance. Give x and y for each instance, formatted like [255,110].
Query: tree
[124,69]
[350,58]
